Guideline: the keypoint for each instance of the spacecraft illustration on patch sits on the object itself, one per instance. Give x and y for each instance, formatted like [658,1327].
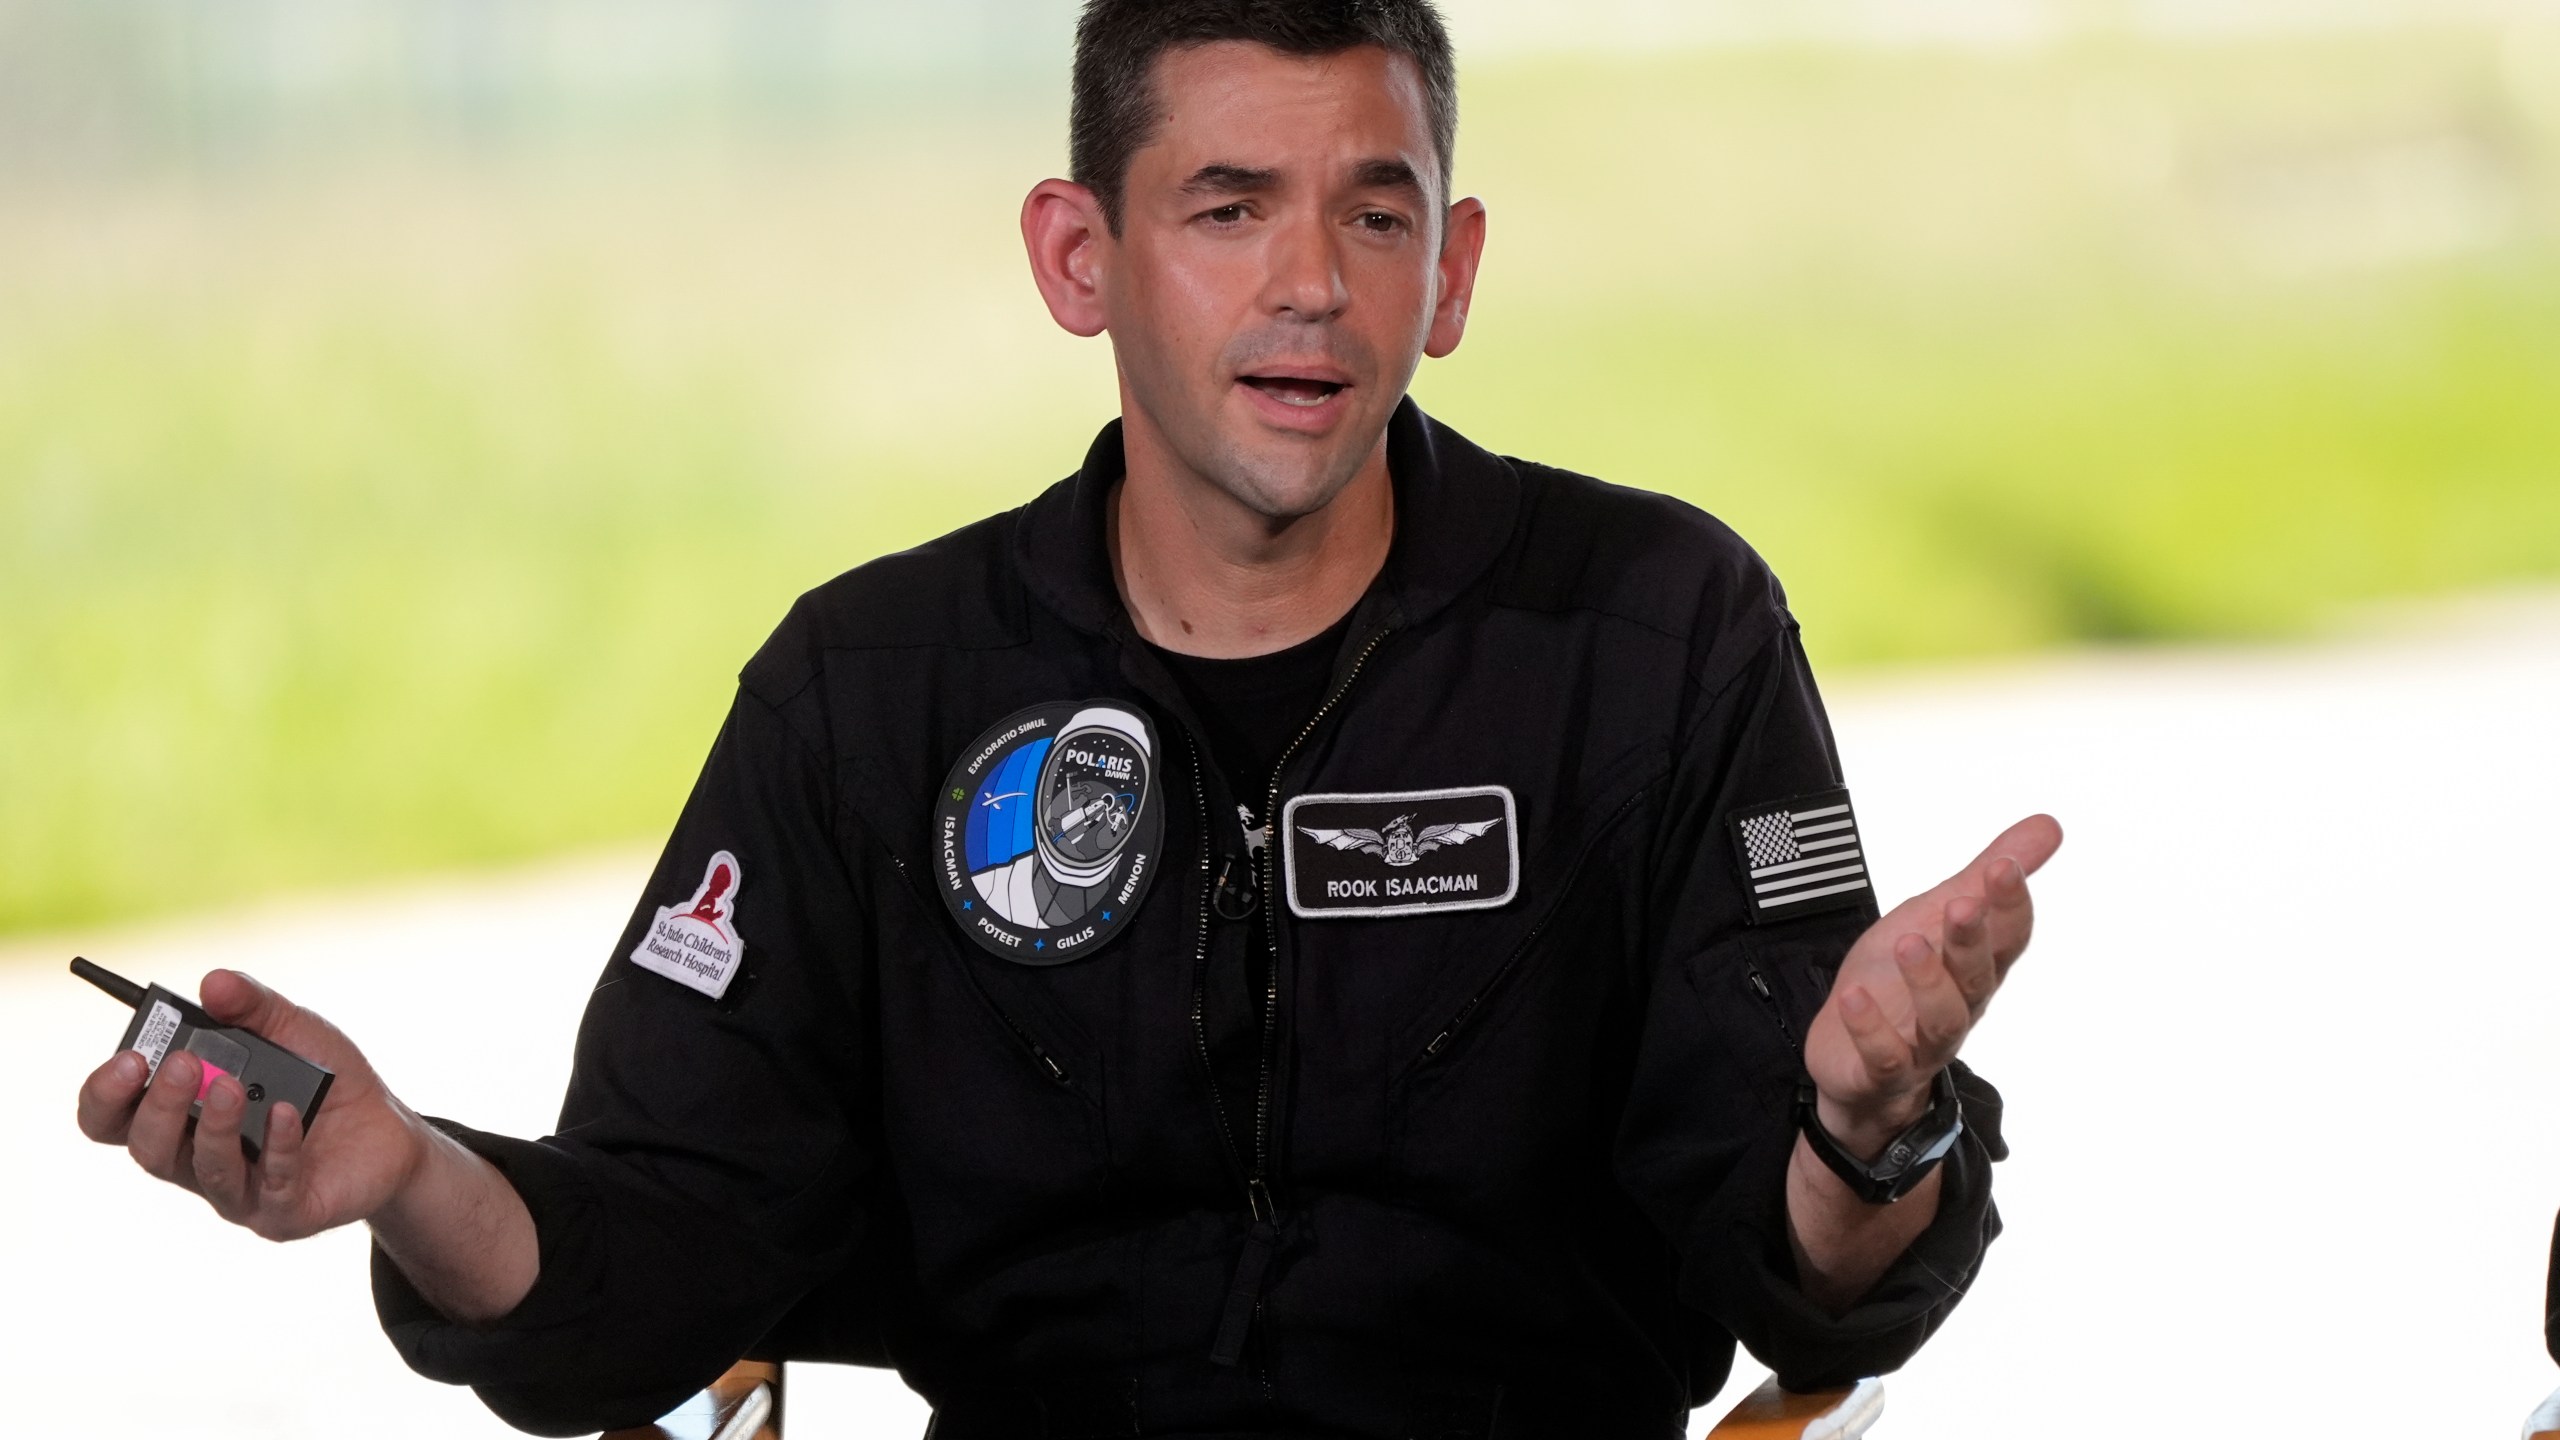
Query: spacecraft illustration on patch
[1050,822]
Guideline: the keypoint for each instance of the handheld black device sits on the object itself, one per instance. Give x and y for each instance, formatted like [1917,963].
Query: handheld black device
[164,1021]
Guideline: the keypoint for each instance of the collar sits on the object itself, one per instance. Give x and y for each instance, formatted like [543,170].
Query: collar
[1455,507]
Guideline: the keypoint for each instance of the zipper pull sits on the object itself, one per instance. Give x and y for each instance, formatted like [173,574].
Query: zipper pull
[1244,1292]
[1760,986]
[1234,896]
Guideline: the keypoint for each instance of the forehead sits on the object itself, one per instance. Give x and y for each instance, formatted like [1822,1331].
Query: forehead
[1238,102]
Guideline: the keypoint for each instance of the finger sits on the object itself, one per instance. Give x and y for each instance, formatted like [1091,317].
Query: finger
[2012,918]
[280,1170]
[108,1096]
[1939,1015]
[160,1122]
[2030,842]
[1968,952]
[221,1171]
[1999,874]
[1881,1047]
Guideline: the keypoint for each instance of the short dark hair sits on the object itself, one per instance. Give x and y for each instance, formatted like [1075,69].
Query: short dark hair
[1115,110]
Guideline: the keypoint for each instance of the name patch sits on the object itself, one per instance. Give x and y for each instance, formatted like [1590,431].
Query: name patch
[1408,852]
[696,944]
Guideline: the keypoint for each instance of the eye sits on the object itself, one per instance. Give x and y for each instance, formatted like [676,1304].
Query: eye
[1379,222]
[1227,214]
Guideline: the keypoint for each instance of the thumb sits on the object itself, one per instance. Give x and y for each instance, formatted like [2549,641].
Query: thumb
[2030,842]
[236,999]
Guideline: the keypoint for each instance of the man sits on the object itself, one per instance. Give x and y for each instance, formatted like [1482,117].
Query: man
[1306,927]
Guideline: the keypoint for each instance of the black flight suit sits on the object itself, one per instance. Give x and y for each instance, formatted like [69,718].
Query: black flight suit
[1521,1164]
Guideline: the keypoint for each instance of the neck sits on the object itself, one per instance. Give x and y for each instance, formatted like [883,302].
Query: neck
[1203,574]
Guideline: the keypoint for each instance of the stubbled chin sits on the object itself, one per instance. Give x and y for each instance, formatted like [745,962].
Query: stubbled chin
[1285,475]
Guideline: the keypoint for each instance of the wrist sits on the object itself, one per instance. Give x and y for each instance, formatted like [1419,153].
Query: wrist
[457,1229]
[416,1173]
[1865,1128]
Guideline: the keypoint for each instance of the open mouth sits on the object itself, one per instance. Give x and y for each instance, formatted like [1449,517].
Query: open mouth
[1291,390]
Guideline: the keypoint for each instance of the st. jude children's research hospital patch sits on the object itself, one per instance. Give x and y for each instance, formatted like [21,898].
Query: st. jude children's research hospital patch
[696,944]
[1048,832]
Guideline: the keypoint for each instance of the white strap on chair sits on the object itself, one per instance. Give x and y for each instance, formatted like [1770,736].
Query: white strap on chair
[749,1416]
[2545,1420]
[1850,1418]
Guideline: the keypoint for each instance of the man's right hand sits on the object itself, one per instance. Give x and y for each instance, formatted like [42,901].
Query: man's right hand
[301,1183]
[447,1217]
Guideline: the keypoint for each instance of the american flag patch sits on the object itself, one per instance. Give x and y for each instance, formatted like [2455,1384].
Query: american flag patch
[1801,856]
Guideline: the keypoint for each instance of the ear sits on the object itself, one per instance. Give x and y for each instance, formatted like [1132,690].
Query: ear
[1063,231]
[1461,247]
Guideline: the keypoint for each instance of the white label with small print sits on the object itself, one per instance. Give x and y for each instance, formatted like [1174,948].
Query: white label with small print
[159,1027]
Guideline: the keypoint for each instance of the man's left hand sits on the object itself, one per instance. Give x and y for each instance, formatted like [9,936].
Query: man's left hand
[1915,983]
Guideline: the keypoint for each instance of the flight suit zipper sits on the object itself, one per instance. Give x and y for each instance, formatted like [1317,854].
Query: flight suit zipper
[1759,984]
[1244,1294]
[1200,963]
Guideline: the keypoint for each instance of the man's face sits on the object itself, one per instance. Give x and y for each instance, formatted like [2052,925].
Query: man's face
[1274,281]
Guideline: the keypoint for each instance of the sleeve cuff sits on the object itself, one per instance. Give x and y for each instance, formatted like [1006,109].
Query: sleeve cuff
[563,1211]
[1811,1349]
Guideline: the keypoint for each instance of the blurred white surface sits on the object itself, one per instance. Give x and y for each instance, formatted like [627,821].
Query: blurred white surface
[2278,1070]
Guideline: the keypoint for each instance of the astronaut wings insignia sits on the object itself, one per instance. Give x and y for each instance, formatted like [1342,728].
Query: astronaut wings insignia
[1385,864]
[1398,843]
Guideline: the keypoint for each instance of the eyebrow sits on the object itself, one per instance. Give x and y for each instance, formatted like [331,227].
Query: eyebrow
[1387,175]
[1222,178]
[1219,178]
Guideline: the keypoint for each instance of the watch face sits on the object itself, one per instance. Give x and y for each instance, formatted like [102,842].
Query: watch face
[1904,1153]
[1908,1157]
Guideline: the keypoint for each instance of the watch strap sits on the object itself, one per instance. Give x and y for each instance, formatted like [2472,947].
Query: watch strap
[1906,1159]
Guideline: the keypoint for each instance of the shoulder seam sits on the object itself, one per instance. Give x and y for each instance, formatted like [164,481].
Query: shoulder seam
[1600,610]
[826,765]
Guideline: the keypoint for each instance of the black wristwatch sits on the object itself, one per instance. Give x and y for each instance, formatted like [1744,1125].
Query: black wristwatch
[1907,1158]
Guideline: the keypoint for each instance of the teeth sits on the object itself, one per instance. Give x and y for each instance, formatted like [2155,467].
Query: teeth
[1301,393]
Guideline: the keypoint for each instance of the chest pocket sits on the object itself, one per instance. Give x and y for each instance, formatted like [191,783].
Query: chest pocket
[1523,1036]
[1789,979]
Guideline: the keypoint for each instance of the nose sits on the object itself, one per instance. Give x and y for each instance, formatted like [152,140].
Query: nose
[1305,270]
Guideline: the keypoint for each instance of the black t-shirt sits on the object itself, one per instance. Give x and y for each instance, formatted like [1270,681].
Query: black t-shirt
[1249,711]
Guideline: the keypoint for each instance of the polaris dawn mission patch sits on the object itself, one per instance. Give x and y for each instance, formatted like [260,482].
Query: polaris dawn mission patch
[1049,830]
[1409,852]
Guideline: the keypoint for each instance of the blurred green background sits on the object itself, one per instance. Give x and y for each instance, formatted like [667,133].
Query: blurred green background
[413,411]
